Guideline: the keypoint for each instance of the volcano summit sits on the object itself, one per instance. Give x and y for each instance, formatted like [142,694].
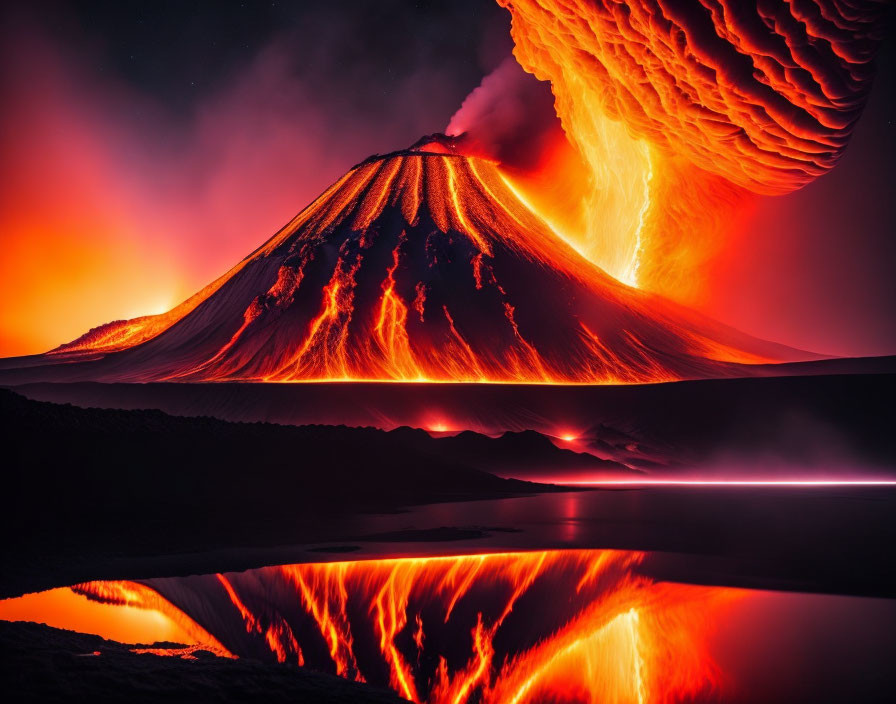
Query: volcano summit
[418,265]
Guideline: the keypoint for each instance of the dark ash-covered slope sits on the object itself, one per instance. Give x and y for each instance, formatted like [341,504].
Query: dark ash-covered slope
[419,265]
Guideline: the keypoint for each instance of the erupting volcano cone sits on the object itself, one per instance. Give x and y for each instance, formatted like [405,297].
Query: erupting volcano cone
[418,265]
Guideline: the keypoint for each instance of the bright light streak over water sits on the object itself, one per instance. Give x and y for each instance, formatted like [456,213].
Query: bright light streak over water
[728,482]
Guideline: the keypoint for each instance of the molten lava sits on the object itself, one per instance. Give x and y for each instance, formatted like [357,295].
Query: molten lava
[420,265]
[510,628]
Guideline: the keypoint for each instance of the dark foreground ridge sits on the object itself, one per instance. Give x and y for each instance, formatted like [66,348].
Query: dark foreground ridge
[85,483]
[111,494]
[835,415]
[43,664]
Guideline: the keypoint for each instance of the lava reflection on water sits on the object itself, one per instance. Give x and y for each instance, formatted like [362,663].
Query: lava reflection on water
[577,625]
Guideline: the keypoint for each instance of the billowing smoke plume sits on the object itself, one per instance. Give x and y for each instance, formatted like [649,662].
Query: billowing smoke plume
[679,114]
[764,94]
[510,117]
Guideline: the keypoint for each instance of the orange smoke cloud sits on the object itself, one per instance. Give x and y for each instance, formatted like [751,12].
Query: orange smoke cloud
[679,115]
[765,95]
[648,218]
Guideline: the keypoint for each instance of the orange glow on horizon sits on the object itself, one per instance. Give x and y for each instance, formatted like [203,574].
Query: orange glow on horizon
[77,251]
[85,258]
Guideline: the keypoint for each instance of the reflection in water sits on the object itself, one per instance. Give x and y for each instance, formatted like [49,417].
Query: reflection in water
[126,612]
[550,626]
[518,627]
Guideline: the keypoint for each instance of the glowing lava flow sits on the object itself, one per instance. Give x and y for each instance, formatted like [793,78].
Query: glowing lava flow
[419,266]
[608,223]
[503,628]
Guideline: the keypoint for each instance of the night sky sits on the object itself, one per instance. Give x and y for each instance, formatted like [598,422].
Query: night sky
[148,146]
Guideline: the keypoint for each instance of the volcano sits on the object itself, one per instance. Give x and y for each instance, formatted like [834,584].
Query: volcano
[423,264]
